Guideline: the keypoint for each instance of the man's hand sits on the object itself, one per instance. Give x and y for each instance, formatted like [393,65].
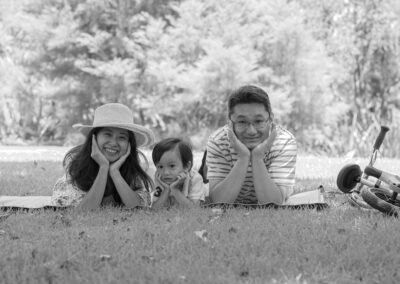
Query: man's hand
[97,155]
[261,149]
[236,144]
[118,163]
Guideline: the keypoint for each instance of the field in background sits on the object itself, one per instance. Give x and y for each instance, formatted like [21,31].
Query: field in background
[340,244]
[307,166]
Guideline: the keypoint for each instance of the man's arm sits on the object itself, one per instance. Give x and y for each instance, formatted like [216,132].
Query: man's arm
[272,186]
[228,189]
[226,182]
[266,189]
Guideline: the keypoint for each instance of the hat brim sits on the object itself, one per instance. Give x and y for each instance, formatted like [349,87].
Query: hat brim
[144,137]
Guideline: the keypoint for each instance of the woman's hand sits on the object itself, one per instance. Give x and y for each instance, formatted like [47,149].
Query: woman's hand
[118,163]
[236,144]
[261,149]
[97,155]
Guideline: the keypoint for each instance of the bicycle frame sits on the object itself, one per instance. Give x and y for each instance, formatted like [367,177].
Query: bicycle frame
[392,181]
[381,194]
[374,155]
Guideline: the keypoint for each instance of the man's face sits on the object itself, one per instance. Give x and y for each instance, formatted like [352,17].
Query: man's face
[251,123]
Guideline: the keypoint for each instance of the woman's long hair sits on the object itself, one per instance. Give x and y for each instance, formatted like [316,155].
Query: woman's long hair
[83,169]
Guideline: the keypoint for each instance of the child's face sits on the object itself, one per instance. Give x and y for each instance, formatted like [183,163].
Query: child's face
[170,166]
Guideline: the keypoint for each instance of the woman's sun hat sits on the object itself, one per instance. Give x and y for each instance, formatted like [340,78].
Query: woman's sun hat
[118,115]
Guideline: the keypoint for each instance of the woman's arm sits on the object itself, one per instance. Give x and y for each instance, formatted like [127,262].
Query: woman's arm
[93,198]
[129,197]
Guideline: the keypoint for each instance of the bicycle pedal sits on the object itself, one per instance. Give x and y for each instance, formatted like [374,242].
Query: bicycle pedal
[356,200]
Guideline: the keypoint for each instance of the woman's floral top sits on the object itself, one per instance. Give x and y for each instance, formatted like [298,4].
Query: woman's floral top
[65,193]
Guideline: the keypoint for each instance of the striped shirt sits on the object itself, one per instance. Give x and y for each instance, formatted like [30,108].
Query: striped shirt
[280,162]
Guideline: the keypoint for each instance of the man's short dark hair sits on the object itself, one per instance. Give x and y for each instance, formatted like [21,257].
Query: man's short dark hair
[249,94]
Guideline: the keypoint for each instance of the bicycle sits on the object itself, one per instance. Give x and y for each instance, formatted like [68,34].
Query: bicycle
[381,193]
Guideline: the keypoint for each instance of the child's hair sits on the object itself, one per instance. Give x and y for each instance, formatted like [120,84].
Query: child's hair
[83,169]
[185,150]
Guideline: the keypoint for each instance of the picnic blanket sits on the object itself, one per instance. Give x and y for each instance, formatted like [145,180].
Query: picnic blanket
[303,200]
[307,199]
[26,202]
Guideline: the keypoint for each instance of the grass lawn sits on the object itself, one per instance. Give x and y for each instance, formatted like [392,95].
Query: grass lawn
[340,244]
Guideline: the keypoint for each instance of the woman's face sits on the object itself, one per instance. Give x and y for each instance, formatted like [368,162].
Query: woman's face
[113,142]
[170,166]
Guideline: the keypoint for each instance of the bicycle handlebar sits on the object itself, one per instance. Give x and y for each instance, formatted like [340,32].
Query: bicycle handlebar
[371,171]
[381,136]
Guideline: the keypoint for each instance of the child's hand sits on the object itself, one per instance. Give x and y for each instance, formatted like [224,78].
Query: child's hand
[178,185]
[160,185]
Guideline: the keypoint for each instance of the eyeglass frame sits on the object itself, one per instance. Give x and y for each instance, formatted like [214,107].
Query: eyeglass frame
[244,127]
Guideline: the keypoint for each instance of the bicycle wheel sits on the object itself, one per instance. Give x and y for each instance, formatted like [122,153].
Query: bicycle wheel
[381,200]
[348,177]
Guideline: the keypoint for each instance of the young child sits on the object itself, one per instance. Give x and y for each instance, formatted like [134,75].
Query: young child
[175,180]
[106,168]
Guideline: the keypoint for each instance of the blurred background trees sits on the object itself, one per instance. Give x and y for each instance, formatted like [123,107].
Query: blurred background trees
[331,68]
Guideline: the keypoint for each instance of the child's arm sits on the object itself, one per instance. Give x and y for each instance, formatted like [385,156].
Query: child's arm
[180,197]
[160,195]
[198,189]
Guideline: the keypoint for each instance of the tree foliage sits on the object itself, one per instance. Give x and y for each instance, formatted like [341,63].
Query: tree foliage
[331,68]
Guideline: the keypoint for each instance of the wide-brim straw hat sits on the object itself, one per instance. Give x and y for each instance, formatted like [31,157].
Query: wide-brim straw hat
[118,115]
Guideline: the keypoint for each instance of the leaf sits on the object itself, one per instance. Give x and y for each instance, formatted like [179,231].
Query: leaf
[105,257]
[232,230]
[148,258]
[203,235]
[3,217]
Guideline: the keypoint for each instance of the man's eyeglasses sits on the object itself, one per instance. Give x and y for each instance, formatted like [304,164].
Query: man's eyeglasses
[259,124]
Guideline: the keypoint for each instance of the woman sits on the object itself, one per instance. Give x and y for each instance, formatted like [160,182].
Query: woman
[106,168]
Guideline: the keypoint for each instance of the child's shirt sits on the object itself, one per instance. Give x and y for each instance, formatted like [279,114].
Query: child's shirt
[197,190]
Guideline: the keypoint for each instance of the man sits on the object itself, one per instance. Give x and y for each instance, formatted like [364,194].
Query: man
[251,160]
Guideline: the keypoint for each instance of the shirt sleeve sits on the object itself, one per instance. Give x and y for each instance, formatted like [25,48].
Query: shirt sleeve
[218,164]
[283,167]
[197,189]
[142,192]
[65,193]
[156,192]
[145,197]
